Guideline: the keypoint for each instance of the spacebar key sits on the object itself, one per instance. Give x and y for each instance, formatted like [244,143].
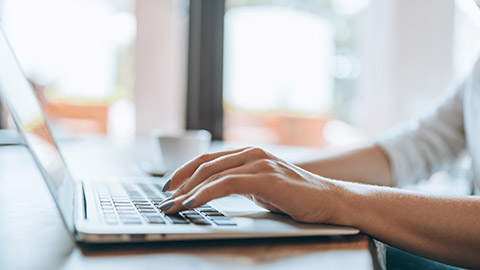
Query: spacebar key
[176,219]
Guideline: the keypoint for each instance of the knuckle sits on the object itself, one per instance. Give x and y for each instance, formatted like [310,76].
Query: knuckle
[257,151]
[204,157]
[214,178]
[264,164]
[208,191]
[205,167]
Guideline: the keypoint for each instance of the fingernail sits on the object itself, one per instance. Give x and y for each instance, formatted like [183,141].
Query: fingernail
[187,203]
[166,186]
[166,205]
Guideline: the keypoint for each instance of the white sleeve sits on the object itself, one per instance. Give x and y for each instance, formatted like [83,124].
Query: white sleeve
[428,144]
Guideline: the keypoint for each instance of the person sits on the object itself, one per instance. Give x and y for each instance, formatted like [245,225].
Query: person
[356,188]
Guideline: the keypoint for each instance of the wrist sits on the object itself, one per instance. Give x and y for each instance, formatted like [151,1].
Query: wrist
[348,203]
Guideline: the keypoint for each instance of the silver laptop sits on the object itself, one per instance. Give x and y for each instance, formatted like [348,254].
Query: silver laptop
[101,212]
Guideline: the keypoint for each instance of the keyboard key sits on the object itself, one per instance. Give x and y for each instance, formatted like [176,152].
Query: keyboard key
[194,215]
[147,210]
[137,198]
[208,210]
[157,220]
[144,206]
[205,207]
[129,217]
[122,203]
[186,212]
[201,221]
[176,219]
[120,197]
[215,218]
[131,222]
[128,214]
[197,219]
[124,206]
[156,214]
[126,210]
[209,214]
[141,202]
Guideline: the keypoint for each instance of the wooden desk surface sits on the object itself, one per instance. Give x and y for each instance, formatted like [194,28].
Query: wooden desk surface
[32,235]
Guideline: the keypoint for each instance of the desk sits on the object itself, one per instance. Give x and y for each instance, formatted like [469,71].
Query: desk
[32,235]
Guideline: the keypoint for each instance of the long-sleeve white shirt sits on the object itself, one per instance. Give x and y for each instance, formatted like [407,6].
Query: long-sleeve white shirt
[436,139]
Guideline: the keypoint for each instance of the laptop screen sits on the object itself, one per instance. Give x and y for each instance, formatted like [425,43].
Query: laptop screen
[29,117]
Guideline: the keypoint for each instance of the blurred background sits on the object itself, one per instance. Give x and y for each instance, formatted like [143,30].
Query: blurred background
[308,73]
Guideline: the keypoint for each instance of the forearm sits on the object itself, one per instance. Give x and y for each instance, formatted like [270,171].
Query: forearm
[368,165]
[441,228]
[445,229]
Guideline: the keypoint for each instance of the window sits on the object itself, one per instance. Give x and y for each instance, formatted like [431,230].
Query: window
[79,57]
[315,73]
[291,67]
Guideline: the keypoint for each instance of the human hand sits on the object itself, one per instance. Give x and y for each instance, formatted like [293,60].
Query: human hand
[274,184]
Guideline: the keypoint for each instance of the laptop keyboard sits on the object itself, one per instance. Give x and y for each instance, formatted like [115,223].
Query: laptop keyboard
[137,203]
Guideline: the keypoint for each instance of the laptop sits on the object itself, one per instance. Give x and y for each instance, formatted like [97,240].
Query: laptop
[115,211]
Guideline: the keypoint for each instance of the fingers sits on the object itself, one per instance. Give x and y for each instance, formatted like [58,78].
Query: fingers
[209,169]
[212,164]
[181,197]
[227,185]
[196,185]
[186,171]
[215,175]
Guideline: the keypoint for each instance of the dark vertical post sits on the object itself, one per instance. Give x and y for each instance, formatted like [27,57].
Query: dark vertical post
[205,67]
